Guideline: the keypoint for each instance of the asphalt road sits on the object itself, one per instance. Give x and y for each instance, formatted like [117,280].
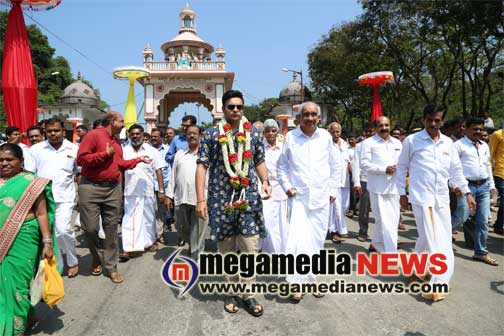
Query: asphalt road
[144,305]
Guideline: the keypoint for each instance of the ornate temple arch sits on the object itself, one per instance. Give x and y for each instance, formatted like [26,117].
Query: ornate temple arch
[188,74]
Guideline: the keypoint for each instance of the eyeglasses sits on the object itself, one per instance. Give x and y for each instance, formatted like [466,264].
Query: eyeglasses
[231,107]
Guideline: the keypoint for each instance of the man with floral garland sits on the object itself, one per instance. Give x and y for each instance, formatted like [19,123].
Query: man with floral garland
[233,153]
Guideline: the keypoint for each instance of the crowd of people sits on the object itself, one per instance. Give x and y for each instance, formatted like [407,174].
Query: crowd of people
[246,186]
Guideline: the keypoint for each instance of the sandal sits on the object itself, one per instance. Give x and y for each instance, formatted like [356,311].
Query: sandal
[116,277]
[97,270]
[73,271]
[231,300]
[251,305]
[318,295]
[124,257]
[296,298]
[153,248]
[486,259]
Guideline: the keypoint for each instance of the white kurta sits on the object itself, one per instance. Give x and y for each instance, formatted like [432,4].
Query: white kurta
[376,155]
[139,221]
[312,167]
[430,164]
[275,208]
[337,219]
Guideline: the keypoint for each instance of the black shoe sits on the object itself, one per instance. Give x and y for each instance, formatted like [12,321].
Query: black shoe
[181,243]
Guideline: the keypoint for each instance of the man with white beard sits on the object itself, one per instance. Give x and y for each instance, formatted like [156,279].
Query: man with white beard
[337,224]
[379,155]
[309,172]
[275,208]
[431,158]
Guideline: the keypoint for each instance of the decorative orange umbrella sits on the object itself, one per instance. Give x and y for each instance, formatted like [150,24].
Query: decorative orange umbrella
[375,79]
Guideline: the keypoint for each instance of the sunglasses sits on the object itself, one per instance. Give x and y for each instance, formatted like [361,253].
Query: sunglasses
[231,107]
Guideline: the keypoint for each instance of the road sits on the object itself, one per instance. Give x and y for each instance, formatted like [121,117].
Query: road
[144,305]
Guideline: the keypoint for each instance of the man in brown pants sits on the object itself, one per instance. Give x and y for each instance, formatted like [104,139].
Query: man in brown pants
[100,156]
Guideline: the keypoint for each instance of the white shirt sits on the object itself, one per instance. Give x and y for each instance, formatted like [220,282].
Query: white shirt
[272,154]
[28,164]
[376,155]
[311,165]
[358,174]
[488,122]
[59,165]
[430,164]
[475,160]
[342,147]
[140,181]
[182,184]
[163,149]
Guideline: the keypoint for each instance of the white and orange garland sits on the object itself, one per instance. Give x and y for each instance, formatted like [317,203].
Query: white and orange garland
[237,164]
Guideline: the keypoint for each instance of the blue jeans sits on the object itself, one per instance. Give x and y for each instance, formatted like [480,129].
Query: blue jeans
[499,185]
[481,195]
[461,213]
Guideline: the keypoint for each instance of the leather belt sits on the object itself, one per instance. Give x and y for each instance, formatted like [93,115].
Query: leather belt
[477,182]
[100,183]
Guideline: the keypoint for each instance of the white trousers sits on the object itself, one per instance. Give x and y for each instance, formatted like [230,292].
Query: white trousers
[307,233]
[386,211]
[65,234]
[337,219]
[139,223]
[435,236]
[275,221]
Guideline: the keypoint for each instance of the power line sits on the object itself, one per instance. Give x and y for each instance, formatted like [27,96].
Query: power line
[69,45]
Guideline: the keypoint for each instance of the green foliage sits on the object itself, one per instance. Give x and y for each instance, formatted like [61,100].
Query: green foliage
[259,112]
[440,51]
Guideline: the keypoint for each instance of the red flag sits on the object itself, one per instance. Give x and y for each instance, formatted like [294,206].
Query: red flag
[18,78]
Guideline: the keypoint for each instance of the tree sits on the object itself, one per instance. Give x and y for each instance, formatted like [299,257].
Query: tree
[259,112]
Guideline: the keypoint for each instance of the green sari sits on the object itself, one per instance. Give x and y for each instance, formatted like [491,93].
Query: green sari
[20,247]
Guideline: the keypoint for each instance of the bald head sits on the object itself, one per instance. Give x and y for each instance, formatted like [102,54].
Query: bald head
[382,126]
[113,121]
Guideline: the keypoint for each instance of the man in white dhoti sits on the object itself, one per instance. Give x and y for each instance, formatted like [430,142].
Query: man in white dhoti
[337,211]
[55,159]
[181,194]
[275,208]
[309,172]
[379,155]
[431,159]
[139,221]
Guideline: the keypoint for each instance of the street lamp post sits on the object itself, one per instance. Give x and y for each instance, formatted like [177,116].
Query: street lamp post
[300,73]
[198,105]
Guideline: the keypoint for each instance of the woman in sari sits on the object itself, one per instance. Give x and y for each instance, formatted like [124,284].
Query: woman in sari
[26,219]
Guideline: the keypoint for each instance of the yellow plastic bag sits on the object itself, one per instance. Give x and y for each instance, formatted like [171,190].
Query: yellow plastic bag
[53,290]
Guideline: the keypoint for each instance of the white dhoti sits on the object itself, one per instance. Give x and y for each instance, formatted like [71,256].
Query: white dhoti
[139,223]
[337,219]
[65,233]
[275,221]
[307,232]
[435,236]
[386,209]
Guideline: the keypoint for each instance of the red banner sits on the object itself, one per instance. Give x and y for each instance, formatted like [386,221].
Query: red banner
[18,78]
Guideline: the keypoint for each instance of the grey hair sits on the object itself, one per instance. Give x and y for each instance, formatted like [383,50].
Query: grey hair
[270,123]
[319,112]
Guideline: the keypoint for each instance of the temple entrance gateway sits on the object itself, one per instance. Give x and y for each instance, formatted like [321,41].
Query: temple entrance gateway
[186,75]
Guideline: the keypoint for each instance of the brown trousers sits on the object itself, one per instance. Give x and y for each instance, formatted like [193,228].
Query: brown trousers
[244,244]
[103,200]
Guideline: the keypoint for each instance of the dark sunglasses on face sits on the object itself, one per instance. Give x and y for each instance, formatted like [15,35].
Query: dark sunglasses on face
[231,107]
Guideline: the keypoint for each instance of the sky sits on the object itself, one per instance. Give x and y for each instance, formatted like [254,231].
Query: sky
[260,38]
